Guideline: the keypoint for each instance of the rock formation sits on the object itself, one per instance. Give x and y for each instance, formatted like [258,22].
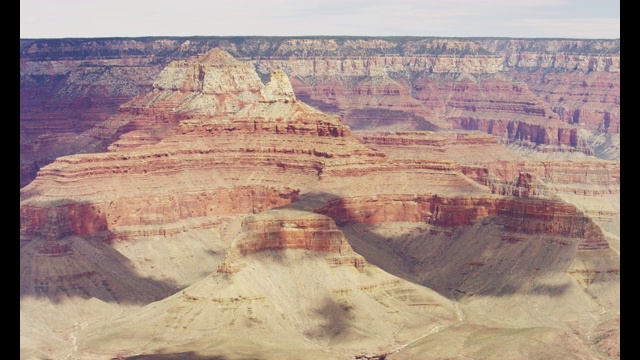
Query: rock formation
[593,185]
[277,232]
[533,93]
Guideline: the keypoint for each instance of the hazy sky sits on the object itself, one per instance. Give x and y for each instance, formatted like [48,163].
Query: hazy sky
[449,18]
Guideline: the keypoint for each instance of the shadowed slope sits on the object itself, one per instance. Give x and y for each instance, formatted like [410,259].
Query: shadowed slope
[284,303]
[60,260]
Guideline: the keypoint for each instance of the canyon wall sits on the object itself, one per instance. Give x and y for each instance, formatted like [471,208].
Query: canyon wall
[533,93]
[591,184]
[223,197]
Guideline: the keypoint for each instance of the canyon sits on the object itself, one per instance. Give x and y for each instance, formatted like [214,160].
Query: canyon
[287,198]
[557,96]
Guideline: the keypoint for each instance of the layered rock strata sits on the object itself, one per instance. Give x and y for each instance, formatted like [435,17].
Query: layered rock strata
[283,229]
[593,185]
[579,78]
[526,216]
[69,86]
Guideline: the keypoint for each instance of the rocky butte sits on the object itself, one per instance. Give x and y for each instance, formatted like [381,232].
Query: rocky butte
[216,214]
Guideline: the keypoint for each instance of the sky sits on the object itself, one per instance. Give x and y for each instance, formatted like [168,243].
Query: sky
[584,19]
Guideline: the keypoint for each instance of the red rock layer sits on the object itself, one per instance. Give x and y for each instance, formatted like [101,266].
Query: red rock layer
[290,229]
[123,218]
[529,216]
